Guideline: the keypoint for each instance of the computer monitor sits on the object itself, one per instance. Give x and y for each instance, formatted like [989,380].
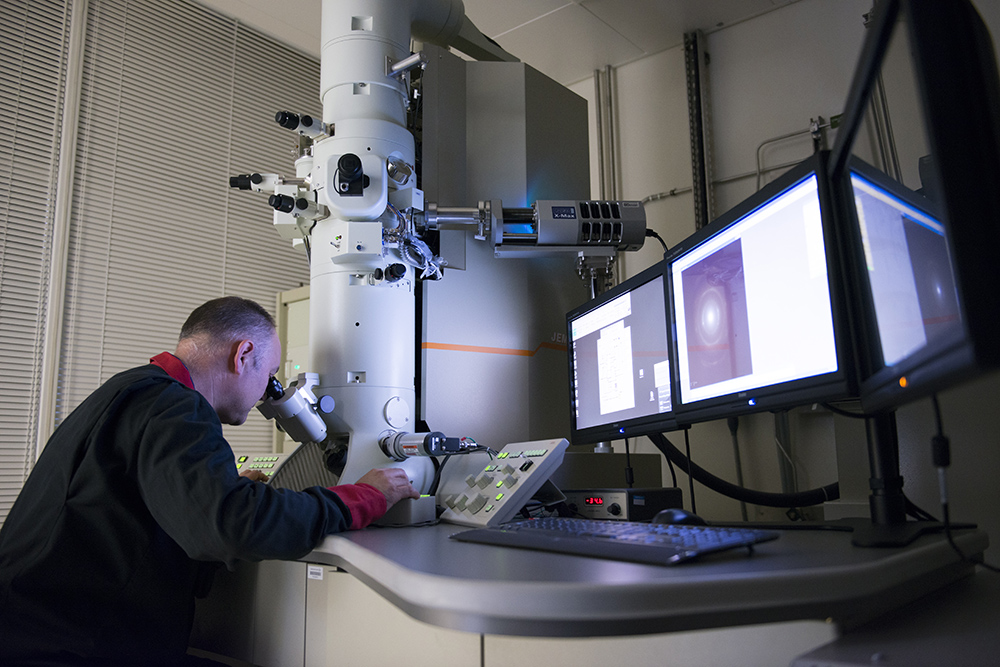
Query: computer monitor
[930,243]
[914,340]
[619,361]
[757,304]
[924,256]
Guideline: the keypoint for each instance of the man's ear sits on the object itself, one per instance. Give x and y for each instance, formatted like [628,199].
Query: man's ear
[243,352]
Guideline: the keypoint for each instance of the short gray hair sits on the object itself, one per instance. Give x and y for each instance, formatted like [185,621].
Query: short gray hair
[229,318]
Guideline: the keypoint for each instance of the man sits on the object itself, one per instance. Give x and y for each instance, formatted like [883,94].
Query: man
[136,499]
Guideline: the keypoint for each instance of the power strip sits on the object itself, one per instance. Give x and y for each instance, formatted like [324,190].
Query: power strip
[481,493]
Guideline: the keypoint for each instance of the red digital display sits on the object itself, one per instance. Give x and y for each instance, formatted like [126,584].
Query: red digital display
[593,500]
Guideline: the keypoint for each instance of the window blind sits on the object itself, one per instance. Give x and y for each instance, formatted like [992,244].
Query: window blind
[174,99]
[33,42]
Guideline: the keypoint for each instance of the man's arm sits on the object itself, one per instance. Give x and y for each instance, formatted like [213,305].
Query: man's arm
[392,482]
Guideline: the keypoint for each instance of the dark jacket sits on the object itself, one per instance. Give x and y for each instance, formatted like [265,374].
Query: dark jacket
[134,498]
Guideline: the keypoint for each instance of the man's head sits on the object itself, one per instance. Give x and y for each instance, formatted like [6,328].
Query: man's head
[231,347]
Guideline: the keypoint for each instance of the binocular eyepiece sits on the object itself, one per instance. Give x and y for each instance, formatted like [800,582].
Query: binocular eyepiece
[274,390]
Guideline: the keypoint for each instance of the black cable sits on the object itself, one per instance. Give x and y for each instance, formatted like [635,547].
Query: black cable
[650,232]
[629,473]
[437,474]
[918,513]
[941,453]
[799,499]
[734,427]
[845,413]
[673,473]
[690,465]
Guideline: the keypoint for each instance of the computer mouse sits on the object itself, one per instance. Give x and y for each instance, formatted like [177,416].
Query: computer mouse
[676,515]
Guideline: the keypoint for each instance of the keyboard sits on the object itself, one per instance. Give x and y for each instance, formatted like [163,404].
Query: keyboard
[649,543]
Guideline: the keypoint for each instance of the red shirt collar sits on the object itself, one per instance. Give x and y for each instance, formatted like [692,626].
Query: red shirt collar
[174,367]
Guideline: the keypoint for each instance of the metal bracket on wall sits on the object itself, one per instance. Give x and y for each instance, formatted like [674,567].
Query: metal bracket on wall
[699,123]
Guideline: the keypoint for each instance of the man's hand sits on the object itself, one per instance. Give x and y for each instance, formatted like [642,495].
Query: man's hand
[254,475]
[392,482]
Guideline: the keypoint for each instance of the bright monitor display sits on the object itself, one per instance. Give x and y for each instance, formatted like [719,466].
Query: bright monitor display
[619,355]
[913,318]
[909,271]
[753,306]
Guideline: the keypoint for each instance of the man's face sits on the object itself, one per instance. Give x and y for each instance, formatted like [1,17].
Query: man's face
[251,383]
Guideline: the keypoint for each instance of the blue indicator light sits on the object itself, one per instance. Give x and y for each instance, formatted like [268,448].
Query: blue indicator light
[752,402]
[519,227]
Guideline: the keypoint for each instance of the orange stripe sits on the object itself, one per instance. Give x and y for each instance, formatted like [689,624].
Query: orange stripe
[493,350]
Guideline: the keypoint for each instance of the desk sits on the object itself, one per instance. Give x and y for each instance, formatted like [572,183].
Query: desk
[489,603]
[492,590]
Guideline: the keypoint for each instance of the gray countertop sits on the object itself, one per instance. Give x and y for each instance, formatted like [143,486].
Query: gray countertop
[495,590]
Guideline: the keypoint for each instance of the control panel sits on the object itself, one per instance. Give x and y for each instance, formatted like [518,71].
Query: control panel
[479,491]
[266,464]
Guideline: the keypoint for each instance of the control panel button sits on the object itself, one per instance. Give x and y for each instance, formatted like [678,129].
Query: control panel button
[477,504]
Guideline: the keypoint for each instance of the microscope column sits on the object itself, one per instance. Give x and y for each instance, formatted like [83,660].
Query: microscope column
[362,328]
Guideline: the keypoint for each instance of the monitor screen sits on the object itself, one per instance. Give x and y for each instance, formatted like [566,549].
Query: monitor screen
[756,307]
[911,310]
[908,268]
[619,361]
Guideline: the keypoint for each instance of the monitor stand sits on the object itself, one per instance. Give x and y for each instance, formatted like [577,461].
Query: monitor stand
[888,526]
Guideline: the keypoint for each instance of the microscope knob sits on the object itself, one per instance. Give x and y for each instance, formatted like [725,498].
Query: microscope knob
[282,203]
[394,272]
[241,181]
[349,166]
[287,120]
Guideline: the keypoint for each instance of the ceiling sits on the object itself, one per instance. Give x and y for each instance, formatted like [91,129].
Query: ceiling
[564,39]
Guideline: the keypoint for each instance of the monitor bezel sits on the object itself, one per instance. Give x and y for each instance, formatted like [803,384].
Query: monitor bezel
[832,386]
[626,428]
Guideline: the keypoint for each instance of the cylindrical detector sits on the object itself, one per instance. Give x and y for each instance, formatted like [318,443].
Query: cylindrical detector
[400,445]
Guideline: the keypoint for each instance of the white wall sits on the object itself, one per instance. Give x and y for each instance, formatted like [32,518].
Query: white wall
[768,77]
